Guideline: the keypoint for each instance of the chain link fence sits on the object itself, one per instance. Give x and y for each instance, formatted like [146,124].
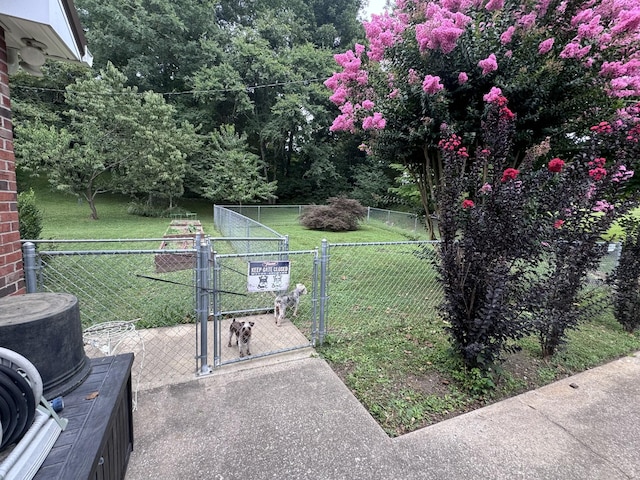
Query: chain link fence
[132,294]
[283,215]
[137,297]
[380,284]
[245,235]
[391,218]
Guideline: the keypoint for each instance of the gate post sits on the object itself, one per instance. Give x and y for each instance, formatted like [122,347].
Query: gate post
[215,306]
[324,263]
[30,268]
[203,288]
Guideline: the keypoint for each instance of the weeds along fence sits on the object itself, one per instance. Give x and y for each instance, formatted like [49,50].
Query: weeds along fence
[283,215]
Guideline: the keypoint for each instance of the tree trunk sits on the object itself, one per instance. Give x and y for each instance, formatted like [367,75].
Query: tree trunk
[90,197]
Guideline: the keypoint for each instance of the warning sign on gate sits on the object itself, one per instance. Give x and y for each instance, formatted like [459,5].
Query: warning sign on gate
[268,276]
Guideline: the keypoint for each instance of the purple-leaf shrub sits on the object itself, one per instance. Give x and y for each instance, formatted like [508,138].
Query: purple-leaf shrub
[517,243]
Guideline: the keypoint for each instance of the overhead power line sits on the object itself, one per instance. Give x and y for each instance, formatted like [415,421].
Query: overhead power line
[248,88]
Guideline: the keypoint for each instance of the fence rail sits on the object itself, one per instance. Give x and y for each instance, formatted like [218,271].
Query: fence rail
[237,228]
[282,215]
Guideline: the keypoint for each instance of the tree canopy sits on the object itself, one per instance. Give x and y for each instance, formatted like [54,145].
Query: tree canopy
[429,64]
[257,65]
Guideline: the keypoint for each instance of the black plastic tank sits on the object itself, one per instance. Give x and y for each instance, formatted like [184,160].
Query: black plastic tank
[45,328]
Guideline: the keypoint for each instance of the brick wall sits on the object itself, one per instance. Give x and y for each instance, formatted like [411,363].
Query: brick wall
[11,273]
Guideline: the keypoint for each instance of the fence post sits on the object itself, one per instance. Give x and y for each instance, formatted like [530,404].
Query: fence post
[324,262]
[215,306]
[203,287]
[368,214]
[30,267]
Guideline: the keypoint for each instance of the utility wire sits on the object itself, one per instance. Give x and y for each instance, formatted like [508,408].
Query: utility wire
[248,88]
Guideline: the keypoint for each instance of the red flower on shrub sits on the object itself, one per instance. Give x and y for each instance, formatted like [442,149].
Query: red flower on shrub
[468,204]
[597,173]
[510,174]
[555,165]
[558,223]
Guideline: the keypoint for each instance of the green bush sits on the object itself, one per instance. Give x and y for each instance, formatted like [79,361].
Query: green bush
[30,216]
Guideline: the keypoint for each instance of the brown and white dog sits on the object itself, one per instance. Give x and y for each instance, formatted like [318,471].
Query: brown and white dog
[290,299]
[242,331]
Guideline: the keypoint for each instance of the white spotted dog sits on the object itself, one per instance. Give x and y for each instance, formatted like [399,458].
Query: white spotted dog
[290,299]
[242,331]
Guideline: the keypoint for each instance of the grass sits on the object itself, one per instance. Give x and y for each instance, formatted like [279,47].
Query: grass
[391,349]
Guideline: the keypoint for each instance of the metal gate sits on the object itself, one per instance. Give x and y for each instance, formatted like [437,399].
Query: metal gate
[231,299]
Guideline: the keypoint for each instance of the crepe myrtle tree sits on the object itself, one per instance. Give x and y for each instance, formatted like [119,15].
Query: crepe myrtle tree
[517,243]
[561,63]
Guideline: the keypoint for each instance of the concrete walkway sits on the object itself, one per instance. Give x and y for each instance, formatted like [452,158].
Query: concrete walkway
[295,419]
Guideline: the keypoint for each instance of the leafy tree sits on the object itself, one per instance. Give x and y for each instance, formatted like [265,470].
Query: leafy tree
[230,172]
[257,65]
[115,140]
[429,63]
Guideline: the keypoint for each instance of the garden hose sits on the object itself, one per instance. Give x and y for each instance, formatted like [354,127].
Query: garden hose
[20,392]
[25,400]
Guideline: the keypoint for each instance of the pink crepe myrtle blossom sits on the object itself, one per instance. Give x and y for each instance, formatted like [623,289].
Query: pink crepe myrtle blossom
[575,50]
[493,5]
[343,123]
[468,204]
[493,96]
[489,64]
[591,30]
[545,46]
[509,174]
[462,78]
[383,32]
[393,94]
[368,104]
[603,206]
[528,21]
[507,35]
[375,122]
[486,188]
[413,77]
[348,60]
[442,28]
[556,165]
[432,85]
[627,21]
[339,96]
[558,224]
[622,174]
